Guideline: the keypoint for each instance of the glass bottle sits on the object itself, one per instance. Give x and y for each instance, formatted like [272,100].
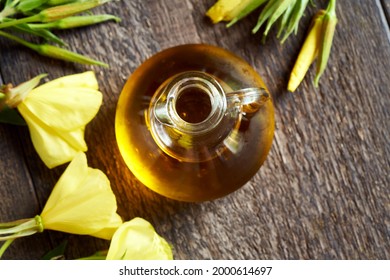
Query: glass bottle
[194,122]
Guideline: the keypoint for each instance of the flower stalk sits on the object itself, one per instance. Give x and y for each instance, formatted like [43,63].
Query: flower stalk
[20,228]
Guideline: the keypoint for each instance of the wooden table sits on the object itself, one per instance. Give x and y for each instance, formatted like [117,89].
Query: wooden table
[324,190]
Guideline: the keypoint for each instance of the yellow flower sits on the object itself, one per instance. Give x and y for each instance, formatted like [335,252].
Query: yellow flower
[57,113]
[226,10]
[317,44]
[82,202]
[307,54]
[137,240]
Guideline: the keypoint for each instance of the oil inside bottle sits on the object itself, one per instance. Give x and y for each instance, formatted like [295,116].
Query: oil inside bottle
[193,105]
[194,165]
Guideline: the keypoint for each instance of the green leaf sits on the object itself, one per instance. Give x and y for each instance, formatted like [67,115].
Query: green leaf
[57,253]
[11,116]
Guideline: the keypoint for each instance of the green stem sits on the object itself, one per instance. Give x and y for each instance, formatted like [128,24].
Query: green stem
[14,22]
[5,246]
[18,235]
[17,39]
[331,9]
[54,52]
[29,224]
[28,227]
[13,223]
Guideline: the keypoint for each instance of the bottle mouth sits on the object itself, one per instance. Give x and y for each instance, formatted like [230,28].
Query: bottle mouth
[196,102]
[193,104]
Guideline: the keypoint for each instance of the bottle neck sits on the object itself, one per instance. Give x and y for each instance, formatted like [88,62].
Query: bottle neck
[191,115]
[193,103]
[188,116]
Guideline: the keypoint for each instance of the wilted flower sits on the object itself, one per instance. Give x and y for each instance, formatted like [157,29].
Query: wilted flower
[137,240]
[317,44]
[226,10]
[57,113]
[81,202]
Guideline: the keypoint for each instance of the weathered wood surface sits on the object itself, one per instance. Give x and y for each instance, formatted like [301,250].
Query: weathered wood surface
[324,191]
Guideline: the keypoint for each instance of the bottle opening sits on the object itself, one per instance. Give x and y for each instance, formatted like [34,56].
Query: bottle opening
[193,104]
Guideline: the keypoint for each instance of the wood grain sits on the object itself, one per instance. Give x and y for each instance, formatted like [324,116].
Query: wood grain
[323,192]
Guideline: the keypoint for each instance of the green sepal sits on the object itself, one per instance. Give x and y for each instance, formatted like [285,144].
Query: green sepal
[295,17]
[11,116]
[285,19]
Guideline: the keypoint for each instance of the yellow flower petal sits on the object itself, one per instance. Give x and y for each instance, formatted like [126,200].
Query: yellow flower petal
[85,80]
[226,10]
[82,202]
[307,54]
[64,108]
[108,232]
[57,113]
[137,240]
[69,181]
[55,147]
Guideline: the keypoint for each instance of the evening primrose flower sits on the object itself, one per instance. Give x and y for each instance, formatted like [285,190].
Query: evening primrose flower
[81,202]
[137,240]
[57,113]
[317,44]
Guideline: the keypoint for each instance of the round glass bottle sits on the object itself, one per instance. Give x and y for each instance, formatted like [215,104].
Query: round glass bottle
[194,122]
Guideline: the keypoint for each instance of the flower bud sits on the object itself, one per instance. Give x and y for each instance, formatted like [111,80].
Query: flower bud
[327,33]
[244,11]
[63,11]
[308,52]
[75,21]
[226,10]
[59,53]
